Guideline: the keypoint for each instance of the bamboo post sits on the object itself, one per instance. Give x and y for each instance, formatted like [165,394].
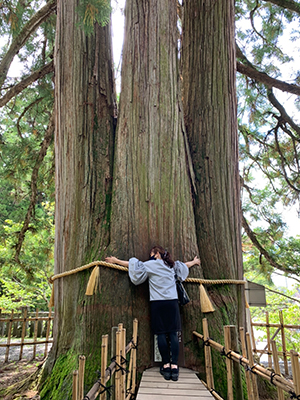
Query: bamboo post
[207,354]
[253,337]
[268,339]
[118,361]
[247,372]
[296,371]
[286,368]
[228,362]
[238,386]
[81,377]
[134,351]
[9,336]
[104,349]
[75,385]
[23,333]
[251,363]
[47,332]
[276,368]
[35,332]
[123,363]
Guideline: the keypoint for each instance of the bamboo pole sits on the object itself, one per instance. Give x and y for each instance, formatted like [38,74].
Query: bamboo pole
[276,368]
[75,385]
[35,332]
[47,332]
[9,336]
[286,368]
[81,377]
[212,391]
[123,363]
[104,350]
[252,336]
[207,354]
[247,372]
[23,333]
[228,362]
[268,340]
[238,386]
[134,351]
[266,374]
[118,361]
[296,371]
[251,364]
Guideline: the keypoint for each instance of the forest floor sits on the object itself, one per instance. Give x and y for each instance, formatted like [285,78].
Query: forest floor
[15,373]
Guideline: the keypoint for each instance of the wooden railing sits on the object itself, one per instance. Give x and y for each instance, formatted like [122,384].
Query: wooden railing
[247,362]
[124,378]
[25,321]
[281,330]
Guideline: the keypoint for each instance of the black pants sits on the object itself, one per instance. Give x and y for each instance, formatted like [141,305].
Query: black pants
[168,346]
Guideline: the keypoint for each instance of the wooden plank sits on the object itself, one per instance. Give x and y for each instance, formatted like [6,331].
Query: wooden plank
[153,386]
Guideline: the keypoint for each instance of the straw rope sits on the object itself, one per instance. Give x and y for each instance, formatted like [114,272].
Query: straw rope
[119,267]
[206,305]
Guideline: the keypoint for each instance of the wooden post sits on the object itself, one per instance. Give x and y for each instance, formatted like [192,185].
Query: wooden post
[296,371]
[276,368]
[9,336]
[104,349]
[35,333]
[123,363]
[118,361]
[238,386]
[268,340]
[47,332]
[247,372]
[228,362]
[75,385]
[134,350]
[23,332]
[81,377]
[286,368]
[207,354]
[251,363]
[253,338]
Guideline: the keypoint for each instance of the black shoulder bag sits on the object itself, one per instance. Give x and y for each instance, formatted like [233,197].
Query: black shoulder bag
[183,297]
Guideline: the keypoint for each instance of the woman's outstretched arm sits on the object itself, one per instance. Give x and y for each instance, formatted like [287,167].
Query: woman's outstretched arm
[115,260]
[195,261]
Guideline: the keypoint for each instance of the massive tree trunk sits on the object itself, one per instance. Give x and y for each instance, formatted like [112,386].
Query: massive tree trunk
[209,93]
[84,141]
[151,201]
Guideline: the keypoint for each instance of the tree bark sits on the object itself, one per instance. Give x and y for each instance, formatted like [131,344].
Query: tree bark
[84,141]
[152,200]
[209,93]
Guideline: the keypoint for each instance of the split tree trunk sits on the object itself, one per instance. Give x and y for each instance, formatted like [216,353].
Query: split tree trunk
[209,93]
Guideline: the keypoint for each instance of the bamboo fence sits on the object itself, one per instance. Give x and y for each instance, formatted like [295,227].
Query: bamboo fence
[23,322]
[280,331]
[125,378]
[247,362]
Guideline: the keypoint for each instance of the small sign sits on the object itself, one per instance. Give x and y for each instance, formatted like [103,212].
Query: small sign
[255,294]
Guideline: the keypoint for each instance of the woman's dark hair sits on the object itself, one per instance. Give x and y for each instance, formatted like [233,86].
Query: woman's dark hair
[165,255]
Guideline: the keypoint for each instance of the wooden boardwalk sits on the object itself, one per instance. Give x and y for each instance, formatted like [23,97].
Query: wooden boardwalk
[153,386]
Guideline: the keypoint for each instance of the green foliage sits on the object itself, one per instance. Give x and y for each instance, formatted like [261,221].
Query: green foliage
[92,11]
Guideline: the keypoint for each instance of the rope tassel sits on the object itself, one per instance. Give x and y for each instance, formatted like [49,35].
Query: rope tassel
[93,281]
[205,303]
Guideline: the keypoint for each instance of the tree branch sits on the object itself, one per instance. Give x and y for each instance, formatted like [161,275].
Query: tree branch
[282,294]
[262,77]
[19,87]
[34,22]
[287,4]
[262,250]
[43,150]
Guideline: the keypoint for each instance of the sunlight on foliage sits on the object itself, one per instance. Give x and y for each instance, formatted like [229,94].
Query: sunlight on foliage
[92,11]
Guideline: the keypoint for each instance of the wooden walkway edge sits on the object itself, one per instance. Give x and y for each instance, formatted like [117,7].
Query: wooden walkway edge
[153,386]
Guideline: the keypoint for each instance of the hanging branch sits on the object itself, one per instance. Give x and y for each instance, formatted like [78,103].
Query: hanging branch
[282,294]
[19,87]
[263,251]
[35,21]
[287,4]
[43,150]
[24,112]
[248,69]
